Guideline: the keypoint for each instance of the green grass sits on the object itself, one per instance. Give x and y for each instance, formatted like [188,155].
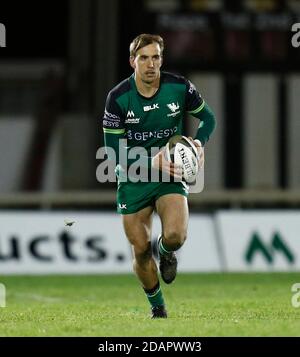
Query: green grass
[115,305]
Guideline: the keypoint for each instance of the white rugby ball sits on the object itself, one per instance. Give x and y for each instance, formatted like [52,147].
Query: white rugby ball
[180,150]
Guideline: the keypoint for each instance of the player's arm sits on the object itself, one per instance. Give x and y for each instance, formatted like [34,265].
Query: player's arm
[112,140]
[197,107]
[113,124]
[160,162]
[207,122]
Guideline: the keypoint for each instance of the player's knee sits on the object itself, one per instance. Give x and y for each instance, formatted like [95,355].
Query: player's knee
[174,239]
[142,252]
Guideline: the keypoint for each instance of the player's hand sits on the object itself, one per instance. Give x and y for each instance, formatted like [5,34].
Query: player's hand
[160,162]
[200,150]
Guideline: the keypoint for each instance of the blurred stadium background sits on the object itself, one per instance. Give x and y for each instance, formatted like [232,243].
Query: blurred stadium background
[60,61]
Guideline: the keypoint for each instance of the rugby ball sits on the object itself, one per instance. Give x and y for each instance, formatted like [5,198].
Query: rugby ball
[180,150]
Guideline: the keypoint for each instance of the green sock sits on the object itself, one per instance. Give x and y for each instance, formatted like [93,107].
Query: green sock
[163,250]
[155,295]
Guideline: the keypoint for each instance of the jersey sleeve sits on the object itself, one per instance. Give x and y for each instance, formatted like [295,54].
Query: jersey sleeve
[113,124]
[197,107]
[113,120]
[194,101]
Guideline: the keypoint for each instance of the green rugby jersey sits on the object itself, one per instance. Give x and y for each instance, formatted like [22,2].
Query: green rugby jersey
[150,122]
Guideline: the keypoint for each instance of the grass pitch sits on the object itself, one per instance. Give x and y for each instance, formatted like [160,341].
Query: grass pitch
[115,305]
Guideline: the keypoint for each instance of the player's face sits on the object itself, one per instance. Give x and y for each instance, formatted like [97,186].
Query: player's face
[147,63]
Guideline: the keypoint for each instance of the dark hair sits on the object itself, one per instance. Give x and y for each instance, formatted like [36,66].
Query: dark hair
[143,40]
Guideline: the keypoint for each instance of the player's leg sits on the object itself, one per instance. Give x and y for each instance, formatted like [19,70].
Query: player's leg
[137,228]
[173,211]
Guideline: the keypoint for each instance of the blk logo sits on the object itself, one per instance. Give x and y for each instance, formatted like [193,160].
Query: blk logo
[151,107]
[2,35]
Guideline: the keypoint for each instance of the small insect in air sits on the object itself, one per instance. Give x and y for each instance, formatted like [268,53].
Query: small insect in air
[69,223]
